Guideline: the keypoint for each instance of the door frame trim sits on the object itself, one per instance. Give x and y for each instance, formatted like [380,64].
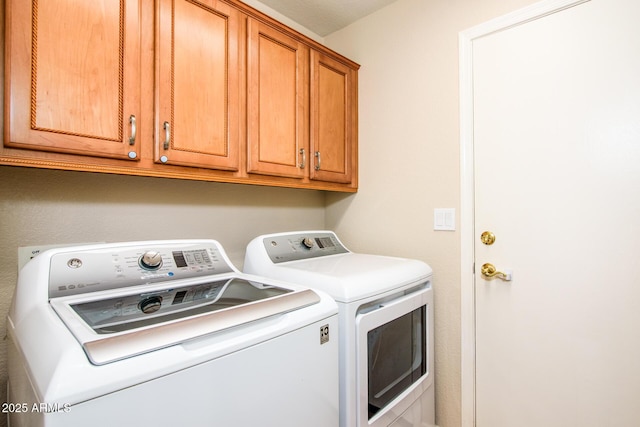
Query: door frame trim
[467,182]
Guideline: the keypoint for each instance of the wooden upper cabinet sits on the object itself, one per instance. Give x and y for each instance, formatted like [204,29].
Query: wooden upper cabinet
[73,76]
[197,84]
[277,102]
[333,119]
[210,90]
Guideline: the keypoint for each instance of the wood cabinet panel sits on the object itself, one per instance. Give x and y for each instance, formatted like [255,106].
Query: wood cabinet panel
[197,96]
[333,117]
[277,102]
[73,76]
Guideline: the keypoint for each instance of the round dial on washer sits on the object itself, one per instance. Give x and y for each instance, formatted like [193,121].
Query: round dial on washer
[151,260]
[150,304]
[307,242]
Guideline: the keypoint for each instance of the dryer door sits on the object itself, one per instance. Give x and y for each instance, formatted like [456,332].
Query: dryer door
[394,355]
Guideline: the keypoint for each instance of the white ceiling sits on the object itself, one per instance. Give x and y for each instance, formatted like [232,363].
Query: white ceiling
[325,16]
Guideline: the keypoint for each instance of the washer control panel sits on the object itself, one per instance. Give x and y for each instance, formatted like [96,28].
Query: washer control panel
[79,271]
[297,246]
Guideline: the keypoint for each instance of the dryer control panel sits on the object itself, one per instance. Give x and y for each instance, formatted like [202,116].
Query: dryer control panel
[292,247]
[81,270]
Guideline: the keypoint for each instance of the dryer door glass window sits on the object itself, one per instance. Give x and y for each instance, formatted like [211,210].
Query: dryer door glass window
[396,357]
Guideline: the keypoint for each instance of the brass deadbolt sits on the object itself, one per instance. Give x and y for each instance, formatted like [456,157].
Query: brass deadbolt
[488,238]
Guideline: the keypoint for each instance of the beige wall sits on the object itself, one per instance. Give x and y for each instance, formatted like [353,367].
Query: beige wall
[409,153]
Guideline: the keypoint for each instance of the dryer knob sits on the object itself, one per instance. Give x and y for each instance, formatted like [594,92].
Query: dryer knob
[150,304]
[151,260]
[307,242]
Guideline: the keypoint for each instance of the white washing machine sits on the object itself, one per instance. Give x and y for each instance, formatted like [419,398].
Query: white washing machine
[386,323]
[167,333]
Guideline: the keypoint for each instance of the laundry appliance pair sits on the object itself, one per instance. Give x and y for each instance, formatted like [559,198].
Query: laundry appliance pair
[172,333]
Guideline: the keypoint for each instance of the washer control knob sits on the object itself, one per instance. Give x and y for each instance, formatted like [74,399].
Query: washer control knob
[151,260]
[150,304]
[307,242]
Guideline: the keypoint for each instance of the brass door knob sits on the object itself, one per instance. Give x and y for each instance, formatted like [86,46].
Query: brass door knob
[489,271]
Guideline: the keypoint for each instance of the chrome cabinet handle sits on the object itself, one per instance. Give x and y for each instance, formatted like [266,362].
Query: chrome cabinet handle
[167,135]
[317,154]
[134,129]
[304,159]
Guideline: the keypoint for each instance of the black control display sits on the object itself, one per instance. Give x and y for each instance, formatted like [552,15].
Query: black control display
[324,242]
[178,257]
[195,257]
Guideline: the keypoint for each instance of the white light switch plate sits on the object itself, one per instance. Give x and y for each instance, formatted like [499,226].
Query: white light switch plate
[444,219]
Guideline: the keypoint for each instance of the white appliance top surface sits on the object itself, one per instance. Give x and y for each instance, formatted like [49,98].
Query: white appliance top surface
[353,266]
[346,277]
[350,277]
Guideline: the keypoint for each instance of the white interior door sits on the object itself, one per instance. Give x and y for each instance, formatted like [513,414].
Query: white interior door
[556,137]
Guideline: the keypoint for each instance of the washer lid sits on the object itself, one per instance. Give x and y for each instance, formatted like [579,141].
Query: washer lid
[116,326]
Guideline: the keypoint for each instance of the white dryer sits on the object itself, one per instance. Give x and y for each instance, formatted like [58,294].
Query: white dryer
[167,333]
[386,323]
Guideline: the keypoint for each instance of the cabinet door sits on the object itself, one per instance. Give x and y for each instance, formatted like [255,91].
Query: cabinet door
[197,84]
[73,76]
[277,104]
[333,119]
